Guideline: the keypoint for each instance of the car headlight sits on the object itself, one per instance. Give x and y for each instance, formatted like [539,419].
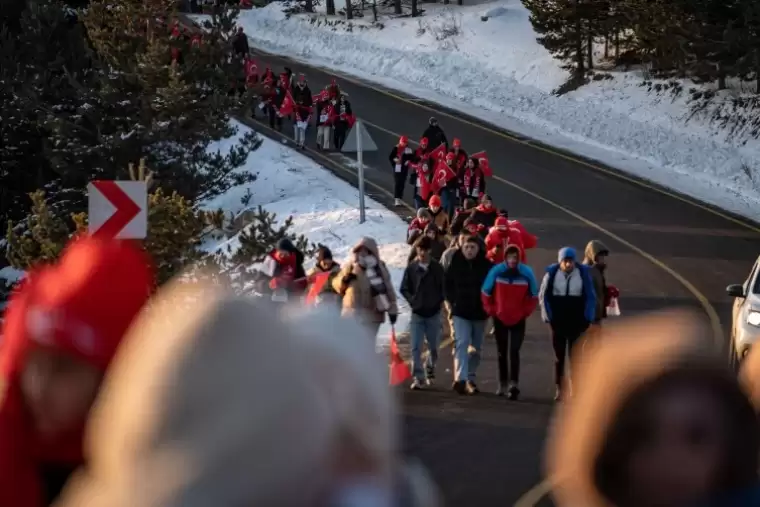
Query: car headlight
[753,318]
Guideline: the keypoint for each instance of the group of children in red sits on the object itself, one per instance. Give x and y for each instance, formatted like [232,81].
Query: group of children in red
[451,174]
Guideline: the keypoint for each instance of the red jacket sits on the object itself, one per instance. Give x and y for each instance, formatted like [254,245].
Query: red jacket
[56,310]
[416,225]
[497,240]
[528,240]
[289,274]
[510,295]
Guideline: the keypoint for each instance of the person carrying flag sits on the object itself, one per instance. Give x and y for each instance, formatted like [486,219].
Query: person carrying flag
[473,180]
[323,273]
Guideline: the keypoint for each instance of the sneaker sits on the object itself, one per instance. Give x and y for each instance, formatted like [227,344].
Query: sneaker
[416,385]
[513,392]
[558,394]
[459,386]
[472,388]
[500,391]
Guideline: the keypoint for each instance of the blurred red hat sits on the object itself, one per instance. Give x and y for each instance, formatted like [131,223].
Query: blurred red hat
[83,305]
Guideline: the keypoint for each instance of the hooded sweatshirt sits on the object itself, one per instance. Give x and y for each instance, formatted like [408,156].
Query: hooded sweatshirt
[82,307]
[162,435]
[634,355]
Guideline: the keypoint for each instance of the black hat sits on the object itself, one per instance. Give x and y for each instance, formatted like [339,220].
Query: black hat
[286,245]
[432,120]
[324,253]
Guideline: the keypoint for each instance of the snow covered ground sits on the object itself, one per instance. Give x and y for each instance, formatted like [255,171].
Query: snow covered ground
[496,70]
[324,209]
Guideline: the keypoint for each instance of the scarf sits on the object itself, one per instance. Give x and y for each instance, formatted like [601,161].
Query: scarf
[378,289]
[468,177]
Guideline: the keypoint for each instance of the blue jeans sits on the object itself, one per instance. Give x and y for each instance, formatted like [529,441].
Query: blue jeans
[424,329]
[467,333]
[448,201]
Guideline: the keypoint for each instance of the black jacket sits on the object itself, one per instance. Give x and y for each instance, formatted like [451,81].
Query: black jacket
[435,136]
[405,159]
[463,282]
[303,97]
[457,224]
[423,288]
[485,218]
[240,44]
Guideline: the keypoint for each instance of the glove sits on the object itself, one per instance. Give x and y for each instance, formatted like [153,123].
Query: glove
[393,318]
[274,283]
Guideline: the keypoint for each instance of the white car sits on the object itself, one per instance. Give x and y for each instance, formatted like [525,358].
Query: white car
[745,319]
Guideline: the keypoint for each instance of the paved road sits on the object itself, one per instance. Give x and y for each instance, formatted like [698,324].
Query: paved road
[666,252]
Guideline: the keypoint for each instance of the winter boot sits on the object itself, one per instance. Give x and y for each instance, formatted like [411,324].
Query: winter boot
[459,386]
[513,392]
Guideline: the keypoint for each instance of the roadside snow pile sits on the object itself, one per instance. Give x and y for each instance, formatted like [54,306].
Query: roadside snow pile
[324,209]
[495,69]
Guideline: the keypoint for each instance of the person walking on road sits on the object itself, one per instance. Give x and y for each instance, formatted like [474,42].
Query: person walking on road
[422,287]
[462,214]
[439,215]
[437,247]
[365,286]
[464,276]
[435,134]
[510,296]
[340,130]
[568,305]
[595,257]
[400,157]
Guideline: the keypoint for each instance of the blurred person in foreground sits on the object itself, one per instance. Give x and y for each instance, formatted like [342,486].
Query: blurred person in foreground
[62,328]
[658,420]
[365,285]
[190,416]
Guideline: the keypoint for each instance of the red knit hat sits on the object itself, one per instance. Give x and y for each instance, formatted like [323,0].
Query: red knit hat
[403,141]
[502,224]
[435,201]
[84,304]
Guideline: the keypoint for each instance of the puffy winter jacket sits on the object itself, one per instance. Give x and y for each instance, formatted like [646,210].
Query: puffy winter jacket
[423,288]
[510,295]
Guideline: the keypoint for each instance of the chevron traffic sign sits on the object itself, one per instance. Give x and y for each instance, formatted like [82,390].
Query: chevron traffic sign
[118,209]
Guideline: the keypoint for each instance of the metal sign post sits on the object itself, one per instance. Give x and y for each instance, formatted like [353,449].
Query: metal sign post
[359,140]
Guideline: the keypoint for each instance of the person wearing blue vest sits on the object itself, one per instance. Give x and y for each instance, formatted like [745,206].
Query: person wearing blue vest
[568,305]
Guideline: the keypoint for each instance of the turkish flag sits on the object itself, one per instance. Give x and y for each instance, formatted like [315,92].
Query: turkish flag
[318,282]
[424,184]
[400,372]
[483,162]
[288,105]
[442,175]
[437,153]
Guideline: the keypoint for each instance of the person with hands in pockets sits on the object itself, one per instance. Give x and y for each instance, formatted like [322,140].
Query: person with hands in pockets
[568,305]
[509,296]
[423,288]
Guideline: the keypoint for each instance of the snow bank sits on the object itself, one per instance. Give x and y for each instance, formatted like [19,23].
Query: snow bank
[496,70]
[324,209]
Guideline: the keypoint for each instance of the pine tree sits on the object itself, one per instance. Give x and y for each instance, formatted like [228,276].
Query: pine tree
[567,29]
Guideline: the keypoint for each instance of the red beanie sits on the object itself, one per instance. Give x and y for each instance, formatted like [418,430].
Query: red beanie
[84,304]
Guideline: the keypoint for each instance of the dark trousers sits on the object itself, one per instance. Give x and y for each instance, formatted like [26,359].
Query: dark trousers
[274,118]
[339,134]
[509,340]
[564,340]
[399,183]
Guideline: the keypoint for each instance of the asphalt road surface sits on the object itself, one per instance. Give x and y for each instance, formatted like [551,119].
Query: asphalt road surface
[665,251]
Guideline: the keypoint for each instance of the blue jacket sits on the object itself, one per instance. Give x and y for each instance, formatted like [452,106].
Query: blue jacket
[588,292]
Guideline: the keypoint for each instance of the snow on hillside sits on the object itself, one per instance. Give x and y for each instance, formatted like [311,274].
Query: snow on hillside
[324,209]
[497,71]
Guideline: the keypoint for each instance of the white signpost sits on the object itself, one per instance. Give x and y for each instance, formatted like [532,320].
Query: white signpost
[359,140]
[118,209]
